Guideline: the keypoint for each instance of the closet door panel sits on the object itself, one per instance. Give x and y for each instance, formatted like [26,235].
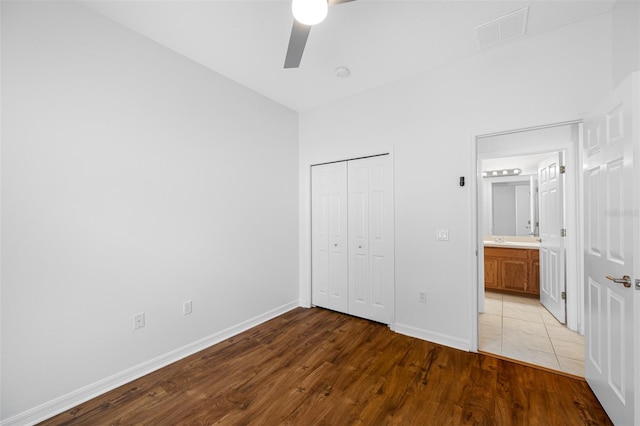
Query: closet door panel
[371,286]
[329,236]
[320,243]
[358,234]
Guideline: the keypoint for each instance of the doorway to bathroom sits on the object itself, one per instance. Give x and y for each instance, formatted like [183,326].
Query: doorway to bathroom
[529,300]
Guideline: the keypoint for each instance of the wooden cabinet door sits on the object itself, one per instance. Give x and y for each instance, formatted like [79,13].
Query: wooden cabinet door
[534,274]
[491,272]
[514,274]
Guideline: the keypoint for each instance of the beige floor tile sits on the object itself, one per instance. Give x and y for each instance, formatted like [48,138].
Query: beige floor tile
[563,333]
[521,300]
[490,331]
[493,347]
[568,349]
[490,338]
[490,319]
[525,326]
[549,319]
[493,310]
[520,314]
[492,306]
[492,295]
[521,328]
[517,339]
[520,306]
[543,359]
[571,366]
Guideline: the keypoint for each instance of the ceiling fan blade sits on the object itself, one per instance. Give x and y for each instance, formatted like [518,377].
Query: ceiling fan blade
[334,2]
[297,41]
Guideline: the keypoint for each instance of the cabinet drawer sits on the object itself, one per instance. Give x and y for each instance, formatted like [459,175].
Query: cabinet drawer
[510,253]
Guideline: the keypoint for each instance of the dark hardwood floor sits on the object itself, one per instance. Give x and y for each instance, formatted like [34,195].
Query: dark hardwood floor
[317,367]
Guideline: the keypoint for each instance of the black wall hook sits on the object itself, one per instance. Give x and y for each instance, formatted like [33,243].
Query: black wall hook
[461,180]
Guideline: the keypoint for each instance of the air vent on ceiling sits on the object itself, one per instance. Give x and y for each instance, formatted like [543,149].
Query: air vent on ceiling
[504,28]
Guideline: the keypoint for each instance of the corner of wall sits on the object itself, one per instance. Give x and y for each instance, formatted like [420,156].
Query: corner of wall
[434,337]
[70,400]
[625,24]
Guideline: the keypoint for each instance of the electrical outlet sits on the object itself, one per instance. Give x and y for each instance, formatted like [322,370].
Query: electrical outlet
[187,307]
[422,296]
[138,321]
[442,234]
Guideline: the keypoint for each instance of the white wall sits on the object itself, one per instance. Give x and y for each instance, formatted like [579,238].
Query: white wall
[132,180]
[431,120]
[625,39]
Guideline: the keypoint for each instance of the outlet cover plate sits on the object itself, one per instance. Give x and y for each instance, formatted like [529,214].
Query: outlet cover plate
[442,234]
[138,321]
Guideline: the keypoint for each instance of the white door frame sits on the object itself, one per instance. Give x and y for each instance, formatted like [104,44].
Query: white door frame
[574,215]
[304,193]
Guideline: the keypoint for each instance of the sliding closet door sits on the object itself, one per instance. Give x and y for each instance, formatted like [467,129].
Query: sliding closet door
[329,236]
[371,263]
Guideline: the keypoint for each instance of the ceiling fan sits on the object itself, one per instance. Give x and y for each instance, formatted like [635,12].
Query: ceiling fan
[306,14]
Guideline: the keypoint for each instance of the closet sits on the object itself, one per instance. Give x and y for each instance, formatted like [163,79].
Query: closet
[352,237]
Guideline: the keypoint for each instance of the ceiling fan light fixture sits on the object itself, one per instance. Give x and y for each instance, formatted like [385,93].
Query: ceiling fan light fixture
[309,12]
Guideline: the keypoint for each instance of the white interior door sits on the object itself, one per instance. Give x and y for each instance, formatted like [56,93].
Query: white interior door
[371,276]
[610,136]
[551,222]
[329,288]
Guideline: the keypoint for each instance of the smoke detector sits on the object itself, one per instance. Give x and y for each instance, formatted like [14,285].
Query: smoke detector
[342,72]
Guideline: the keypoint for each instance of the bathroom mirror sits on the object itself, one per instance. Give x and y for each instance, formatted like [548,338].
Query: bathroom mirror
[512,206]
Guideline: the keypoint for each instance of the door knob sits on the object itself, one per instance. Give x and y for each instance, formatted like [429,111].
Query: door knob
[625,280]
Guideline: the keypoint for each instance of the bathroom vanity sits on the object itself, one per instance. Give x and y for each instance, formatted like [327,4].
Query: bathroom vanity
[512,266]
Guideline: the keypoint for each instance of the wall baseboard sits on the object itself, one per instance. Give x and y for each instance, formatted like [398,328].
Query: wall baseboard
[432,336]
[70,400]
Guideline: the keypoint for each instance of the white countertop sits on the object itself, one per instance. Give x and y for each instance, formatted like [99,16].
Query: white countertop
[511,242]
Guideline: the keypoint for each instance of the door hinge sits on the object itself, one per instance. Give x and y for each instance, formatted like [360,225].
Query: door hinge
[563,296]
[563,232]
[637,284]
[563,169]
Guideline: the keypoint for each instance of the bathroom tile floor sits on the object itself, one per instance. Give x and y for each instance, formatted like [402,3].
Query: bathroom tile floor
[521,328]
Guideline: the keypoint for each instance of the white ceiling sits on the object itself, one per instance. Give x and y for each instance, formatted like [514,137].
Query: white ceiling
[379,41]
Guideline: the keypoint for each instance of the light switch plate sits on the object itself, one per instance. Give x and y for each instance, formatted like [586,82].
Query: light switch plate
[442,234]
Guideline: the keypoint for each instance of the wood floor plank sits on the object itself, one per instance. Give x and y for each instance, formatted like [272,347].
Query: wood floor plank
[317,367]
